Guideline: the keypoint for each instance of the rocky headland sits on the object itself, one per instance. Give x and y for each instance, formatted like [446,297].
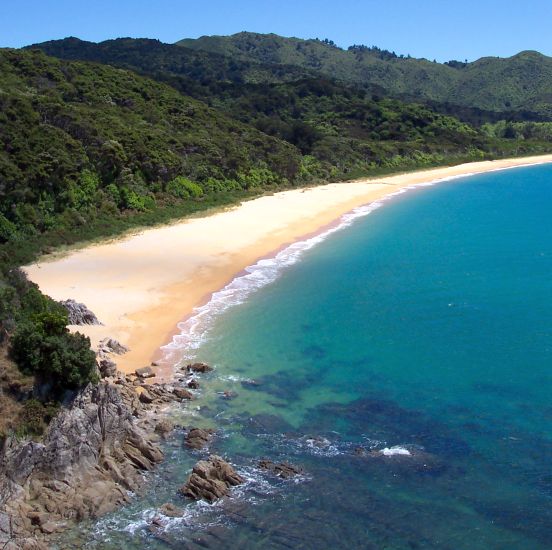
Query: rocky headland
[96,452]
[92,458]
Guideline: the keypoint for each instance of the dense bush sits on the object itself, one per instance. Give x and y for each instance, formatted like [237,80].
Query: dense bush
[43,346]
[40,342]
[35,416]
[183,188]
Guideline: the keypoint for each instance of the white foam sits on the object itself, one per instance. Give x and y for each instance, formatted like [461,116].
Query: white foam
[235,378]
[194,330]
[395,451]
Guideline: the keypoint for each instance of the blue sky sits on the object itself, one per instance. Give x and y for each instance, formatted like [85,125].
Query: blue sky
[441,29]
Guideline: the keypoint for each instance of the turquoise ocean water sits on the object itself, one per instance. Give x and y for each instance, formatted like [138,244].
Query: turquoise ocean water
[425,328]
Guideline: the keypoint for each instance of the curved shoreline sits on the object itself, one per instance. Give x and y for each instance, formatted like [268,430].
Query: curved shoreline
[143,286]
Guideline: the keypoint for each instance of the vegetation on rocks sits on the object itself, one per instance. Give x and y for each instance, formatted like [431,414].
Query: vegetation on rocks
[43,349]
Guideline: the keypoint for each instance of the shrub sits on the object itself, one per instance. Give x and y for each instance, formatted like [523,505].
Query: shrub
[184,188]
[113,193]
[132,200]
[42,345]
[35,416]
[83,193]
[7,229]
[258,177]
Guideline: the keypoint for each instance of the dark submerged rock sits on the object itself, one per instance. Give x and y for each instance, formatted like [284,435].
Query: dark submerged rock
[197,438]
[280,469]
[228,394]
[406,459]
[251,384]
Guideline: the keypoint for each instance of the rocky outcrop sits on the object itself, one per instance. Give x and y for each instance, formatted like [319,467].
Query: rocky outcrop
[171,511]
[110,345]
[406,459]
[280,469]
[145,372]
[199,367]
[79,314]
[198,438]
[164,428]
[93,454]
[182,393]
[107,368]
[211,480]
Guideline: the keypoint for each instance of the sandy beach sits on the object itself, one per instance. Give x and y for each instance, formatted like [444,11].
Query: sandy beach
[142,285]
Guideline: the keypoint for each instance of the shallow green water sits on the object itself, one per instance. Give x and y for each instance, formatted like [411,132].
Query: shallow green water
[427,325]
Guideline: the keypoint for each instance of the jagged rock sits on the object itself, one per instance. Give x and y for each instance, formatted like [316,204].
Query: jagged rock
[280,469]
[164,428]
[211,479]
[145,396]
[193,384]
[171,511]
[158,522]
[182,393]
[228,394]
[199,367]
[110,345]
[49,527]
[145,372]
[197,438]
[38,518]
[107,367]
[251,383]
[79,314]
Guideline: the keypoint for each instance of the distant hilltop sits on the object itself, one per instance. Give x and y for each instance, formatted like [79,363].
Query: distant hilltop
[523,81]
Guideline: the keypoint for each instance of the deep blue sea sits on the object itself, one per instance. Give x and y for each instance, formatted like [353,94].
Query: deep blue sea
[405,362]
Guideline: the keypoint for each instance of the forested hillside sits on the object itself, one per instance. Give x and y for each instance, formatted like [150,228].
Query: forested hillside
[521,82]
[343,129]
[83,141]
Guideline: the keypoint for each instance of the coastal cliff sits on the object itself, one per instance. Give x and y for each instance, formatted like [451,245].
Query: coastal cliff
[91,459]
